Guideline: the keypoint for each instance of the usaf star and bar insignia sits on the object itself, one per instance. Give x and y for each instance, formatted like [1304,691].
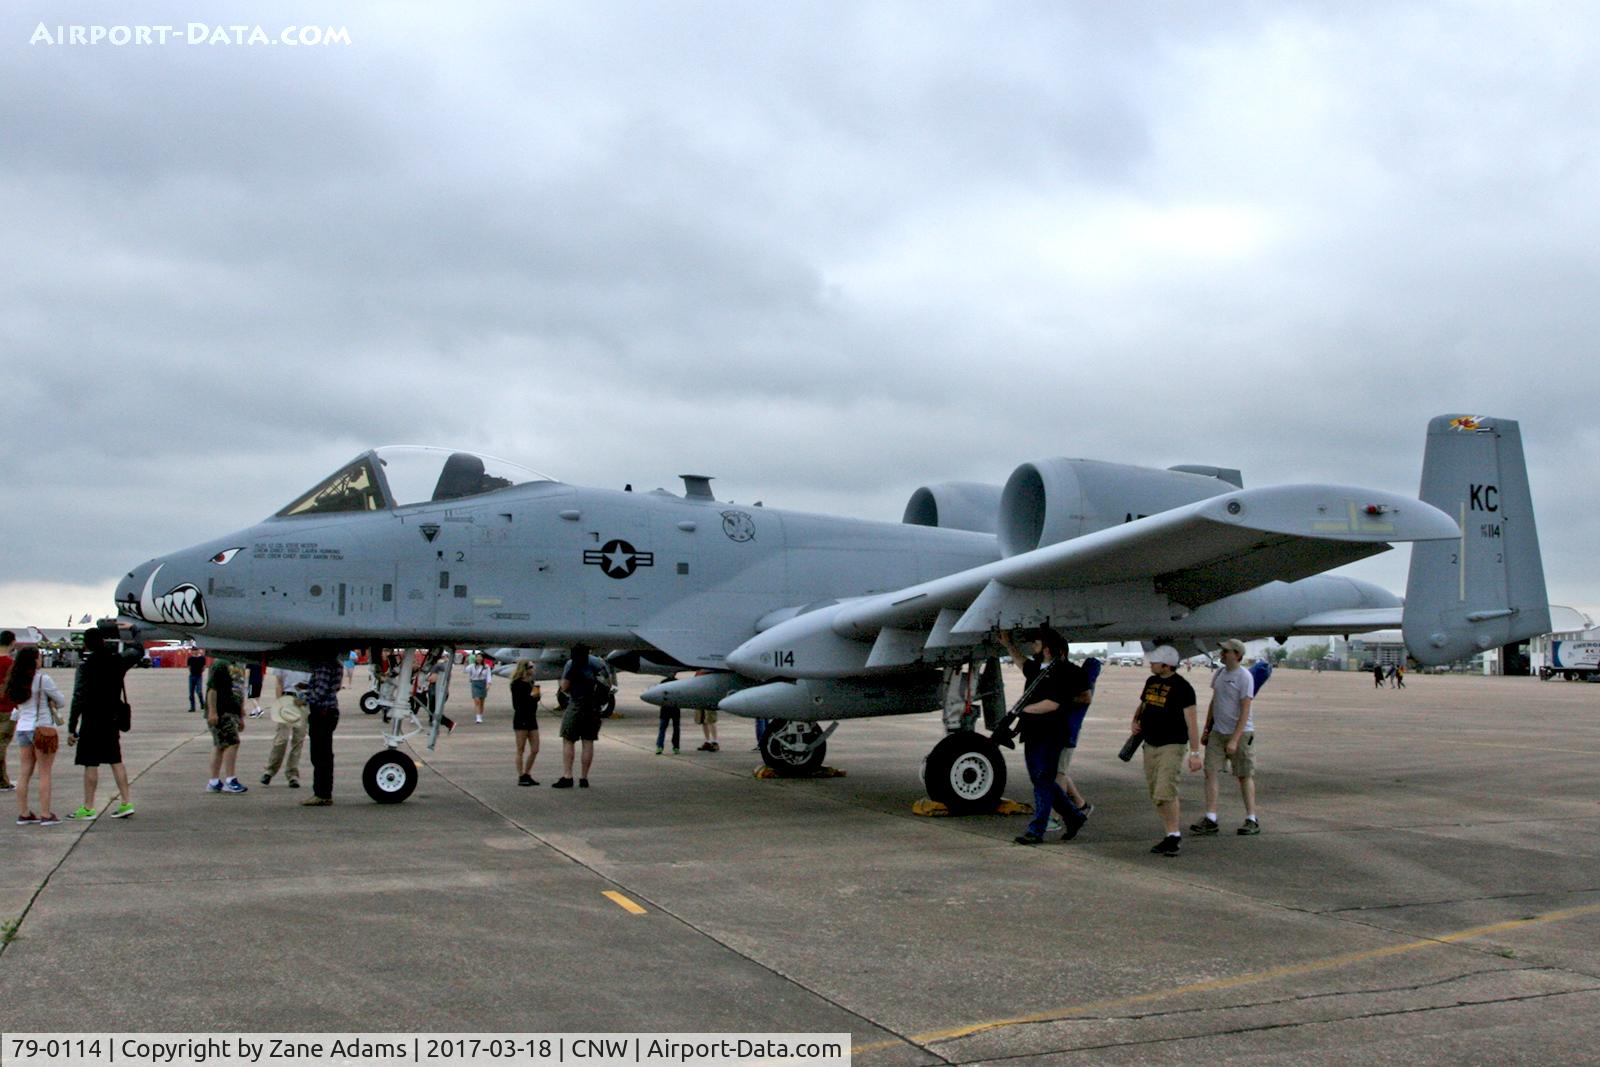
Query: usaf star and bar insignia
[618,559]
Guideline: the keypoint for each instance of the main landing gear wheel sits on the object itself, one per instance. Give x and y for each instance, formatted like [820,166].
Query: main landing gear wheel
[784,748]
[389,776]
[369,702]
[608,704]
[966,772]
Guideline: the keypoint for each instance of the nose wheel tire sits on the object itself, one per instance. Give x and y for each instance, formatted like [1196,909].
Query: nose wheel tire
[784,748]
[966,772]
[369,702]
[389,776]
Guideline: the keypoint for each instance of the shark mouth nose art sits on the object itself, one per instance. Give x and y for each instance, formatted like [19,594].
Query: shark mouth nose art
[181,605]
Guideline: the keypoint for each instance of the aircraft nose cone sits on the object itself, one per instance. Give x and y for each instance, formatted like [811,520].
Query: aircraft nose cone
[127,594]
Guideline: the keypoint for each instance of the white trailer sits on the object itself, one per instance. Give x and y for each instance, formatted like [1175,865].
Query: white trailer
[1572,660]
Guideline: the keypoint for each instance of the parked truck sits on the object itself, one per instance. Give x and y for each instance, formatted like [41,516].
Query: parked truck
[1571,660]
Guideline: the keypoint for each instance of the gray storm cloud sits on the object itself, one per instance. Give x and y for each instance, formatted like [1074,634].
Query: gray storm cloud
[827,253]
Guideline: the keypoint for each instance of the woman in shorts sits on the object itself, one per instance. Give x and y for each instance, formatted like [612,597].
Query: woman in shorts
[478,674]
[524,719]
[36,698]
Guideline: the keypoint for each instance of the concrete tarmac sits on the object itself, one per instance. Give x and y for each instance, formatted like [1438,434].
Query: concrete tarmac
[1426,889]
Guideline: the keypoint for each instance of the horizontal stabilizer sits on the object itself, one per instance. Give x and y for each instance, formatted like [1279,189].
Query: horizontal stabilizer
[1349,621]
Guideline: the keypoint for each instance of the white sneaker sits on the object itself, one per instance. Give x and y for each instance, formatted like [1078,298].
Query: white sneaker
[479,718]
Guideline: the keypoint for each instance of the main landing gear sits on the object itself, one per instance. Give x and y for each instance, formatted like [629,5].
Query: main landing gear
[966,771]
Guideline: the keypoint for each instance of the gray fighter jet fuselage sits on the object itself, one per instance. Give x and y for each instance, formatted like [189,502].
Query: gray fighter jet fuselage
[544,564]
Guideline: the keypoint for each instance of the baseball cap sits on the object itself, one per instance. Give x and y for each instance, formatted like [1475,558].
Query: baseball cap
[1233,645]
[1164,654]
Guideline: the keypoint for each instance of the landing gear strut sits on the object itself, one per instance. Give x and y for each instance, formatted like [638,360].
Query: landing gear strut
[391,776]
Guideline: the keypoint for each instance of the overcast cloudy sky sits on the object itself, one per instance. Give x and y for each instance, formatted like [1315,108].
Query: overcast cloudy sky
[824,252]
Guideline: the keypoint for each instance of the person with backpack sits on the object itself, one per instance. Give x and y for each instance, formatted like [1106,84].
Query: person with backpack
[1058,697]
[581,723]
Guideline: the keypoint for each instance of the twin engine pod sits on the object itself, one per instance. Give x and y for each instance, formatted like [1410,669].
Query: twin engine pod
[1053,500]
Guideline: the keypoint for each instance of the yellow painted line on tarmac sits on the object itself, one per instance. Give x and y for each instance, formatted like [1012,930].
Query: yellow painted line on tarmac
[623,902]
[1326,964]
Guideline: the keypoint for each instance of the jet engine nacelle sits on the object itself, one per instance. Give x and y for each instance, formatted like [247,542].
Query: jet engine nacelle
[1052,500]
[970,506]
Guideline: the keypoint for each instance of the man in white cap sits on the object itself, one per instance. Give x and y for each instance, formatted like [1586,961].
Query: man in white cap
[1229,737]
[1165,720]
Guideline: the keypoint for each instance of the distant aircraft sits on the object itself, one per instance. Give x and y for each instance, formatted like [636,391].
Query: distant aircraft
[805,619]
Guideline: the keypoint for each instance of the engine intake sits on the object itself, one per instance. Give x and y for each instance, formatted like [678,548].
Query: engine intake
[970,506]
[1052,500]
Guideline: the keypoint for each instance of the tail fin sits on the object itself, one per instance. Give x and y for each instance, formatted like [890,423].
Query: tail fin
[1487,589]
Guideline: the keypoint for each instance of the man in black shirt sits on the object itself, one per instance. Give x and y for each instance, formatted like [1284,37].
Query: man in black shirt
[1046,721]
[1166,721]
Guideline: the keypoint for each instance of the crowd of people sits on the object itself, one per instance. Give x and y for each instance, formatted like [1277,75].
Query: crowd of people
[305,706]
[1165,724]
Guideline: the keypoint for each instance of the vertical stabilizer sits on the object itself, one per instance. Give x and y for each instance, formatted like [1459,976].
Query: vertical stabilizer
[1486,589]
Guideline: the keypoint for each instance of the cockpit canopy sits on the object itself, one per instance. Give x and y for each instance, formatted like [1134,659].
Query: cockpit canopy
[397,476]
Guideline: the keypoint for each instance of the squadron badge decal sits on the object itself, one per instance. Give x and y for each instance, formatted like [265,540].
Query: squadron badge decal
[1471,424]
[739,526]
[618,559]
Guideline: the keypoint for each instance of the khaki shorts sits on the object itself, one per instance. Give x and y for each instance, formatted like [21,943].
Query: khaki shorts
[705,715]
[1162,765]
[1065,761]
[1244,760]
[580,724]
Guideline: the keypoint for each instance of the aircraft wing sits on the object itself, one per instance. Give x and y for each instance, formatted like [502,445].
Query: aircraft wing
[1185,557]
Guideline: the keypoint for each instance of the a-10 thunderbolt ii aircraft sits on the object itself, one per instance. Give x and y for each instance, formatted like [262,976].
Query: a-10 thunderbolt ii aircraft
[809,619]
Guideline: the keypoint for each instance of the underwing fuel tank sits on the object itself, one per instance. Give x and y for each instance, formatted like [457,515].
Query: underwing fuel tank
[826,699]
